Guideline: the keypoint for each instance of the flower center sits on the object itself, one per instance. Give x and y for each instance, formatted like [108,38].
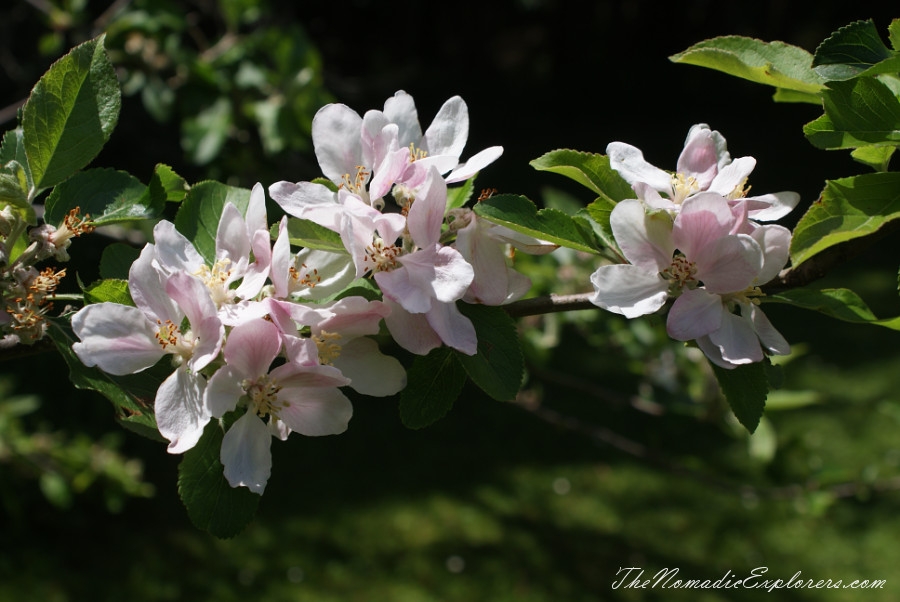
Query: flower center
[216,280]
[356,184]
[740,191]
[683,187]
[170,335]
[380,256]
[328,346]
[681,273]
[416,153]
[263,394]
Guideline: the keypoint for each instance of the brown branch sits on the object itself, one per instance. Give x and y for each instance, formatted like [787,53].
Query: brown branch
[549,304]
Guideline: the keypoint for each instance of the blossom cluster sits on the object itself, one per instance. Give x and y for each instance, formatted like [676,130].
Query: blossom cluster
[694,236]
[256,338]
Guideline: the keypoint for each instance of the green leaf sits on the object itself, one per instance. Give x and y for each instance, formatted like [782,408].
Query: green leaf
[116,260]
[70,114]
[745,388]
[849,208]
[588,169]
[784,95]
[771,63]
[14,191]
[520,214]
[132,396]
[850,51]
[171,185]
[840,303]
[305,233]
[434,381]
[600,211]
[860,112]
[457,196]
[198,216]
[13,149]
[110,289]
[894,34]
[498,365]
[876,157]
[212,504]
[107,195]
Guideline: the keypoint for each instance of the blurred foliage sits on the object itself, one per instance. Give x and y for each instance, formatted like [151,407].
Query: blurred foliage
[64,465]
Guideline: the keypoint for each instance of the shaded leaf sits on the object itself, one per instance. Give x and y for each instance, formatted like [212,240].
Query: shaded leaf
[107,195]
[116,260]
[860,112]
[840,303]
[745,388]
[850,51]
[212,504]
[498,365]
[434,381]
[520,214]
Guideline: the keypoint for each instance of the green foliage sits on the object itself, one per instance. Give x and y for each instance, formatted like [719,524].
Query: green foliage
[109,290]
[198,215]
[132,395]
[434,381]
[70,114]
[520,214]
[854,50]
[212,504]
[745,388]
[777,64]
[498,365]
[116,260]
[168,184]
[840,303]
[588,169]
[860,112]
[849,208]
[108,196]
[304,233]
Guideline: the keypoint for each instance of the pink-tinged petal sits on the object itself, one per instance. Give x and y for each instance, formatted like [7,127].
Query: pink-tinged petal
[175,252]
[411,331]
[256,210]
[713,353]
[278,429]
[702,129]
[373,124]
[233,314]
[652,199]
[307,200]
[313,375]
[181,413]
[494,281]
[401,109]
[694,314]
[731,179]
[337,139]
[146,283]
[629,162]
[771,339]
[476,163]
[315,411]
[281,262]
[775,242]
[252,346]
[522,242]
[455,330]
[629,290]
[704,218]
[427,212]
[223,391]
[645,238]
[449,130]
[257,272]
[736,340]
[779,205]
[118,339]
[441,270]
[232,239]
[193,297]
[392,162]
[301,351]
[246,455]
[370,371]
[351,317]
[699,158]
[397,286]
[730,264]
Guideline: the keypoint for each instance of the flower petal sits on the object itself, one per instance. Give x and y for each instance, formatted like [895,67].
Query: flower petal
[629,162]
[251,347]
[629,290]
[315,411]
[246,454]
[337,139]
[411,331]
[181,413]
[644,237]
[449,129]
[118,339]
[370,371]
[694,314]
[455,329]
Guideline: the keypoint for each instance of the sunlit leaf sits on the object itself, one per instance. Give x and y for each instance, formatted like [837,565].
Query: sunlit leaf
[860,112]
[849,208]
[107,195]
[588,169]
[850,51]
[772,63]
[70,114]
[199,214]
[840,303]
